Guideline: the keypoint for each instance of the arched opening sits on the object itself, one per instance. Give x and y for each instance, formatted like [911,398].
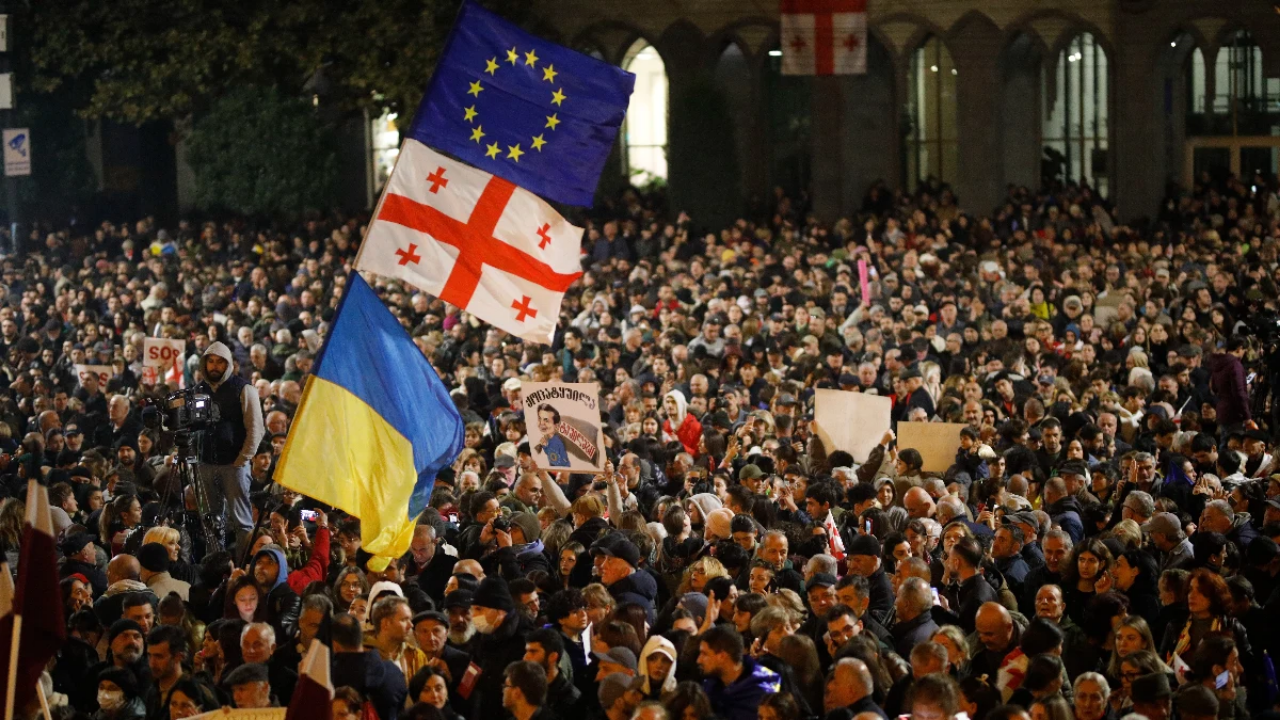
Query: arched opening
[1232,122]
[1240,90]
[1076,127]
[931,146]
[645,130]
[1197,97]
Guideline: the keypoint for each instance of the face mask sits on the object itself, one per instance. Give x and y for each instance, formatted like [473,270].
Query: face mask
[483,626]
[110,699]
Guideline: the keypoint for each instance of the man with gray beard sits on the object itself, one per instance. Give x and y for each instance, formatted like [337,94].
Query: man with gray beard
[462,631]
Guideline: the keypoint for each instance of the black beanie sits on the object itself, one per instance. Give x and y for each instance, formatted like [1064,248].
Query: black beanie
[154,557]
[493,593]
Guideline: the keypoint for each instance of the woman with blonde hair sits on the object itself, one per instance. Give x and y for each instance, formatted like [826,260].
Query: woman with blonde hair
[1128,533]
[600,604]
[789,600]
[699,573]
[171,538]
[1132,635]
[953,639]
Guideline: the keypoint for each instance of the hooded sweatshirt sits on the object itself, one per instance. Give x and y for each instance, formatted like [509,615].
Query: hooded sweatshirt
[282,565]
[283,604]
[233,394]
[684,426]
[706,503]
[658,644]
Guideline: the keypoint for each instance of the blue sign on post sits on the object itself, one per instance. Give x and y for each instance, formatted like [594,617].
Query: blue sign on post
[17,152]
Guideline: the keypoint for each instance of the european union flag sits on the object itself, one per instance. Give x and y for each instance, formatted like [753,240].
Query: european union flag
[527,110]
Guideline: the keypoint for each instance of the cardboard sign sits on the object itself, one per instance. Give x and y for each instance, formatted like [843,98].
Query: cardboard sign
[1104,308]
[228,713]
[563,422]
[104,373]
[936,442]
[162,352]
[165,357]
[851,421]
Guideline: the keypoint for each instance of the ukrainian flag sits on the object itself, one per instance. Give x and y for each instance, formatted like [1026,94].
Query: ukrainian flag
[374,426]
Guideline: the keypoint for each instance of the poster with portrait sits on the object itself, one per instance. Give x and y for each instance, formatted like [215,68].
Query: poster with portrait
[564,426]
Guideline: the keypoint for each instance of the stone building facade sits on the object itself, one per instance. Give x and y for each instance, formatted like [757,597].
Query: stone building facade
[1121,86]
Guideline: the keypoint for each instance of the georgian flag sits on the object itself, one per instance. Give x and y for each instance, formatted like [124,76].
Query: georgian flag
[824,37]
[474,240]
[33,618]
[313,695]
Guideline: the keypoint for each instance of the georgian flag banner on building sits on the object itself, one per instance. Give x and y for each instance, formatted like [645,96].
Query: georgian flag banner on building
[824,37]
[474,240]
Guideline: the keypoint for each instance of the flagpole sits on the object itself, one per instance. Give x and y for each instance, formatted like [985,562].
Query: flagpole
[377,208]
[44,701]
[12,682]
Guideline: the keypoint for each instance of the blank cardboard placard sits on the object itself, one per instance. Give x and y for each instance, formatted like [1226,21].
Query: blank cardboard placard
[851,421]
[1104,308]
[936,442]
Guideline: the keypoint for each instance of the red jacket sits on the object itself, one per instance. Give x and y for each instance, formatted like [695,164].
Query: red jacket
[690,433]
[317,568]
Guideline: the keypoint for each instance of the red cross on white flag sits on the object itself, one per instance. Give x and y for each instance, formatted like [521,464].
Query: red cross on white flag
[475,241]
[824,37]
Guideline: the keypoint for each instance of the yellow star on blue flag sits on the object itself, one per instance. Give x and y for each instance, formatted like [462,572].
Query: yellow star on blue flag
[524,87]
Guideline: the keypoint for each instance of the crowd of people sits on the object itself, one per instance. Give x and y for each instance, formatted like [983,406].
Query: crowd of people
[1103,546]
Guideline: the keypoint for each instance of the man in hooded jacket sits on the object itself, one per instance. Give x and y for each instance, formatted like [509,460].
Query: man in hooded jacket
[271,575]
[233,440]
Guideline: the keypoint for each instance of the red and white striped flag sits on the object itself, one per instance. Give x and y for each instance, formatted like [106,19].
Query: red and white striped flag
[474,240]
[824,37]
[38,626]
[313,695]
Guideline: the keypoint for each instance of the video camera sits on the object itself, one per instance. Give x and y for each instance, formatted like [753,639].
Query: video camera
[182,410]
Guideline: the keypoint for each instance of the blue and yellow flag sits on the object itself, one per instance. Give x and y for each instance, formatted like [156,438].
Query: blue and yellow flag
[527,110]
[374,426]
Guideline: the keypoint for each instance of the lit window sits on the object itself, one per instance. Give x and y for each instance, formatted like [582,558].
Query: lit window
[645,130]
[1075,117]
[386,148]
[932,147]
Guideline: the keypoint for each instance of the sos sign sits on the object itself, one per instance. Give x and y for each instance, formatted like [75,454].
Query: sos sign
[162,353]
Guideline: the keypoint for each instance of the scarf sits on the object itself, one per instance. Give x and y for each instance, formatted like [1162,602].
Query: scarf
[1184,639]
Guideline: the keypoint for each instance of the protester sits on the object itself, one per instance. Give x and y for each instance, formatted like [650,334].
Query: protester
[1106,529]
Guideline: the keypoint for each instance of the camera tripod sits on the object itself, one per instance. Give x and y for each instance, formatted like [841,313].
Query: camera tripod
[187,460]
